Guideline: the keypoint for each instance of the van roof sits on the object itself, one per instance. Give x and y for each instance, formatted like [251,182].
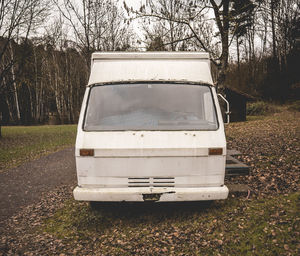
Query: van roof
[150,55]
[107,67]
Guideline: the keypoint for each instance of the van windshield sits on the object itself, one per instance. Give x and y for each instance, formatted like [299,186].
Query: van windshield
[150,106]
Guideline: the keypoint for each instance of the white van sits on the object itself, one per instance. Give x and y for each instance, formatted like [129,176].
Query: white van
[150,129]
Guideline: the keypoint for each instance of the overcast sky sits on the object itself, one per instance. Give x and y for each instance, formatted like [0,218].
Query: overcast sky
[132,3]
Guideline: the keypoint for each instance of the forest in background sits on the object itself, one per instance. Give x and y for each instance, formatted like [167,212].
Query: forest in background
[45,47]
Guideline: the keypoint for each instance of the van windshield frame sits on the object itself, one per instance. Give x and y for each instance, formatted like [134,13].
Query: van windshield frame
[177,125]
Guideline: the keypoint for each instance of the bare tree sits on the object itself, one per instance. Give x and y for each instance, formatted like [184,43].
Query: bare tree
[175,35]
[96,24]
[18,18]
[86,20]
[195,16]
[118,34]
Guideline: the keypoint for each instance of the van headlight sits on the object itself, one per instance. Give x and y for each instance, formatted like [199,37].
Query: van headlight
[86,152]
[215,151]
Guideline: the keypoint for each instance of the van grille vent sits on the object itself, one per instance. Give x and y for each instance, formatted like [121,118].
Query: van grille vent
[151,182]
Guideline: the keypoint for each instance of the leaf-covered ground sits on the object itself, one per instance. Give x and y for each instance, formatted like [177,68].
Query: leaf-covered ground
[265,223]
[271,146]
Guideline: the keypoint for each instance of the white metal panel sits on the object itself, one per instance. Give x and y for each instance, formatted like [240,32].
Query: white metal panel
[209,170]
[151,166]
[150,152]
[178,66]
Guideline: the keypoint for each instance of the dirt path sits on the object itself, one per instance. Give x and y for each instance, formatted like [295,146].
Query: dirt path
[25,185]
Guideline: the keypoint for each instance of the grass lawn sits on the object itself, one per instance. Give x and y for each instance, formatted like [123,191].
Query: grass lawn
[23,143]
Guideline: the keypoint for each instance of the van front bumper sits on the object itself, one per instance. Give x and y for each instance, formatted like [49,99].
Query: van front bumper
[150,194]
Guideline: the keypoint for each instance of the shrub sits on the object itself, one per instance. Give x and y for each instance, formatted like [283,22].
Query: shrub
[295,106]
[260,108]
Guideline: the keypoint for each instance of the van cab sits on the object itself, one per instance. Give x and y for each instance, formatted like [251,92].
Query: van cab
[150,129]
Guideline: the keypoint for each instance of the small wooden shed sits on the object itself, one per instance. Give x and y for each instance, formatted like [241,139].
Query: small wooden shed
[238,103]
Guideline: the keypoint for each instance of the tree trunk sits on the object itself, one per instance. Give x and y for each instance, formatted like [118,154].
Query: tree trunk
[238,60]
[224,60]
[222,20]
[0,125]
[273,29]
[14,84]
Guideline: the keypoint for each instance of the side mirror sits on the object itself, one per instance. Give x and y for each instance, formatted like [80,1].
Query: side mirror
[227,113]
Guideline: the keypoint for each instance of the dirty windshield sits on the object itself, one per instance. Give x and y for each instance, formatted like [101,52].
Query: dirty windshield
[150,106]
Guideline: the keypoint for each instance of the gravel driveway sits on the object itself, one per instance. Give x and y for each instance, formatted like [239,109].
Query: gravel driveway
[25,185]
